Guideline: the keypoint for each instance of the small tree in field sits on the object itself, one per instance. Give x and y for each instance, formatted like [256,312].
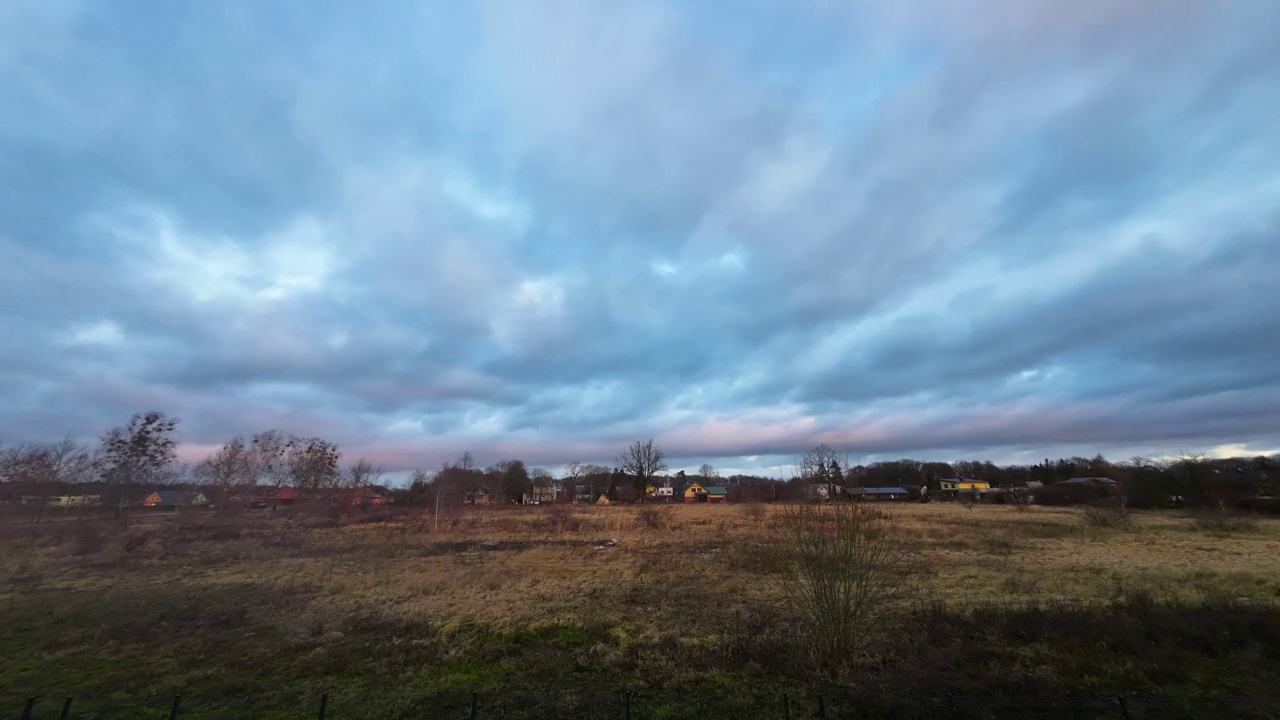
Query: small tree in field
[840,571]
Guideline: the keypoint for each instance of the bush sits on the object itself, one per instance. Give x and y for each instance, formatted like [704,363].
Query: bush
[1113,515]
[1224,522]
[841,568]
[654,518]
[560,518]
[753,510]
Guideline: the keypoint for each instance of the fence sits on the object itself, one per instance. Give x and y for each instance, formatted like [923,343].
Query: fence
[834,705]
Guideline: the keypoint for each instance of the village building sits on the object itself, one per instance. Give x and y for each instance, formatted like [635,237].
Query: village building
[175,499]
[955,488]
[478,495]
[541,495]
[879,494]
[713,494]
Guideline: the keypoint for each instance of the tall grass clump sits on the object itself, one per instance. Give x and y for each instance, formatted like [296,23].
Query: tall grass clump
[1111,515]
[1223,521]
[840,570]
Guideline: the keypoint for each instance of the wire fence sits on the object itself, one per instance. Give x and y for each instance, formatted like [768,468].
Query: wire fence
[605,705]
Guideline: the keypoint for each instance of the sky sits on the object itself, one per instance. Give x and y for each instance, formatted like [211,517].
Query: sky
[1004,229]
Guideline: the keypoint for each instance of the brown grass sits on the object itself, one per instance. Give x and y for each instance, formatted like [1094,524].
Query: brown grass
[682,582]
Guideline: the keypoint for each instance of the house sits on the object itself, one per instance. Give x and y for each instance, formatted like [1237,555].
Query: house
[478,496]
[77,500]
[696,493]
[879,494]
[604,500]
[815,492]
[276,496]
[541,495]
[1091,482]
[962,484]
[954,488]
[665,493]
[174,499]
[367,495]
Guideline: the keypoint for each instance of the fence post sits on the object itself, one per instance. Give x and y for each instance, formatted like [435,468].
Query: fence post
[324,703]
[626,705]
[786,707]
[822,708]
[26,710]
[173,711]
[66,709]
[1124,707]
[475,710]
[951,705]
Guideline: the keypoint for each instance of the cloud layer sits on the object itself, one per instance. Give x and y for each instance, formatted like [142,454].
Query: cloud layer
[548,229]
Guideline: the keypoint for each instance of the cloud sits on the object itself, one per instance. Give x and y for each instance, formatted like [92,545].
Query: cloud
[920,228]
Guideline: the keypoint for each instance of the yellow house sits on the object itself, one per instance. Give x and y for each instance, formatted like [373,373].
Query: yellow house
[955,484]
[696,493]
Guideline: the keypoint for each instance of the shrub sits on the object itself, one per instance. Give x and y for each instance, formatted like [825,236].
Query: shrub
[753,510]
[1224,522]
[1111,515]
[654,518]
[841,568]
[560,518]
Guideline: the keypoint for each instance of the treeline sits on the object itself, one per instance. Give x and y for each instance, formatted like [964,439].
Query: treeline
[142,454]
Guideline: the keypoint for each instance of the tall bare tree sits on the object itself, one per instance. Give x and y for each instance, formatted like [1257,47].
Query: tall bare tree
[142,451]
[821,465]
[269,458]
[313,463]
[641,461]
[362,474]
[228,467]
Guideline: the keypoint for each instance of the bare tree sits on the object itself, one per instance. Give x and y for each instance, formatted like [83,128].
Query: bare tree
[841,569]
[641,461]
[313,463]
[140,452]
[65,461]
[708,472]
[821,465]
[69,461]
[228,467]
[362,474]
[465,461]
[269,458]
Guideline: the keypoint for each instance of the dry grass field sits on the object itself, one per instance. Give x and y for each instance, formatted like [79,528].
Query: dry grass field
[255,614]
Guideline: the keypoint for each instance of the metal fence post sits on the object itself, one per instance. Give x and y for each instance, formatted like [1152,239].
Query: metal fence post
[324,703]
[475,710]
[786,707]
[822,708]
[1124,707]
[26,710]
[173,711]
[66,709]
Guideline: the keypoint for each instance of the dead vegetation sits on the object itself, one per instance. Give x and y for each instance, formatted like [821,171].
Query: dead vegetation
[308,598]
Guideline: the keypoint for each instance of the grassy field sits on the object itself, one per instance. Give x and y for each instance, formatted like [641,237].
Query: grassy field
[256,614]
